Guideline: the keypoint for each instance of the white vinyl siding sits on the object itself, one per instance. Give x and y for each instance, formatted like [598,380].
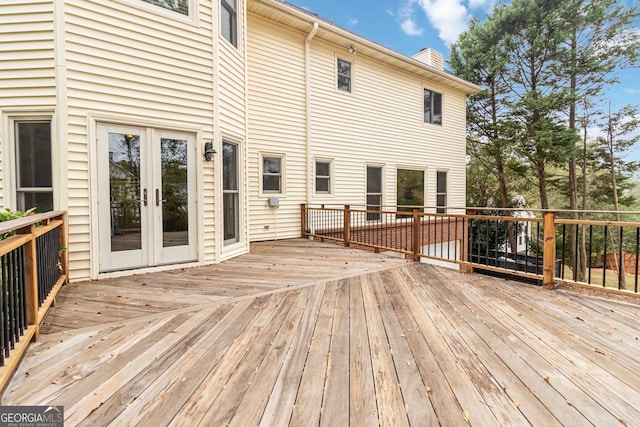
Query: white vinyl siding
[276,124]
[352,130]
[362,129]
[27,71]
[152,69]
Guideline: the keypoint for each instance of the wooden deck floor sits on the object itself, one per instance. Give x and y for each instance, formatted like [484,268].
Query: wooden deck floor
[305,333]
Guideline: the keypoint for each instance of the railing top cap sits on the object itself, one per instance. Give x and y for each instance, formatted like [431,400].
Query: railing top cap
[16,224]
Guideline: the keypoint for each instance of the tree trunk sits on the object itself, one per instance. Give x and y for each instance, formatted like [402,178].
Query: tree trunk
[578,249]
[504,196]
[616,206]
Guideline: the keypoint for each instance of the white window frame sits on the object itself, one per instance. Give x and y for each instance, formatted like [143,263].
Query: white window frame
[191,18]
[238,192]
[351,77]
[330,177]
[367,193]
[424,181]
[283,168]
[9,155]
[431,122]
[442,208]
[224,4]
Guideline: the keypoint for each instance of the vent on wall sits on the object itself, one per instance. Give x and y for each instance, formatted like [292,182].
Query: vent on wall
[430,57]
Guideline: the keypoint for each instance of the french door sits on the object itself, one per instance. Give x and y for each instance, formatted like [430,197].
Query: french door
[146,197]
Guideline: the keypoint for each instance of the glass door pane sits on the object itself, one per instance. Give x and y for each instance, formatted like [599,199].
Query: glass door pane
[124,192]
[175,192]
[231,196]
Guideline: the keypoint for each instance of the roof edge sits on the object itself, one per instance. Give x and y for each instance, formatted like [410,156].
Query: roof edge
[310,17]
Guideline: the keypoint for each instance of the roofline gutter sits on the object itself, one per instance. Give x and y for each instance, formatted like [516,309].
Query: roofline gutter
[284,7]
[307,88]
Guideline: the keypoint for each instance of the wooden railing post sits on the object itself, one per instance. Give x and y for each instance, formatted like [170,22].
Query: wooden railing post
[31,280]
[303,220]
[416,235]
[549,259]
[64,249]
[347,225]
[466,242]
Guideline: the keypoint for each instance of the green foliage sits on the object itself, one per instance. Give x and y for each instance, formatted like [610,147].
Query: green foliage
[545,64]
[8,215]
[410,188]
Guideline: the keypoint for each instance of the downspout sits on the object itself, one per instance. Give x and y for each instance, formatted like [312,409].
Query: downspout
[307,72]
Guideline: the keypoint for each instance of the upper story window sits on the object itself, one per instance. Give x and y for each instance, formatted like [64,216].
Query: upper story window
[272,174]
[229,21]
[432,107]
[344,75]
[323,177]
[180,6]
[441,192]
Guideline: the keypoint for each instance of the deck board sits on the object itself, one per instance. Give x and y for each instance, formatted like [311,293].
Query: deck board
[308,333]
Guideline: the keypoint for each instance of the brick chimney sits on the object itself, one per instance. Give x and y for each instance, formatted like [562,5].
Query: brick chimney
[430,57]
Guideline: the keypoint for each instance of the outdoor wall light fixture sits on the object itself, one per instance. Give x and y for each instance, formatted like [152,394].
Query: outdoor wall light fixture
[209,151]
[352,50]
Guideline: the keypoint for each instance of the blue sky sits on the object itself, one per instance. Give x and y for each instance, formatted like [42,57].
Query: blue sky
[406,26]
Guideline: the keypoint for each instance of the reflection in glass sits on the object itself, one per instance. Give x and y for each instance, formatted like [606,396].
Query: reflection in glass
[180,6]
[272,174]
[33,149]
[344,75]
[175,193]
[410,189]
[231,196]
[124,185]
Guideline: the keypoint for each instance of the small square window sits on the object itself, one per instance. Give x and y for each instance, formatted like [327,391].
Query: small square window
[344,75]
[432,107]
[272,174]
[229,21]
[323,177]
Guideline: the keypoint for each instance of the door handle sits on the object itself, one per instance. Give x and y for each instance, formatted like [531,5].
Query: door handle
[158,199]
[144,197]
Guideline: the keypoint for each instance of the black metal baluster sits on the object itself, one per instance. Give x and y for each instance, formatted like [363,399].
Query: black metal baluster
[635,271]
[621,269]
[589,262]
[3,311]
[538,247]
[604,264]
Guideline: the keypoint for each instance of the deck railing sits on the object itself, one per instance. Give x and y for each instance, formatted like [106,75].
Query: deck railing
[542,246]
[34,267]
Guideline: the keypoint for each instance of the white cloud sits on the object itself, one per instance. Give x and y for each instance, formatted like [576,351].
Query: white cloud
[449,17]
[475,4]
[353,21]
[632,91]
[390,12]
[410,28]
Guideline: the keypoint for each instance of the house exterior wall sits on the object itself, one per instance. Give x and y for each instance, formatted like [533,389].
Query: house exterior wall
[380,123]
[27,66]
[89,63]
[130,63]
[277,126]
